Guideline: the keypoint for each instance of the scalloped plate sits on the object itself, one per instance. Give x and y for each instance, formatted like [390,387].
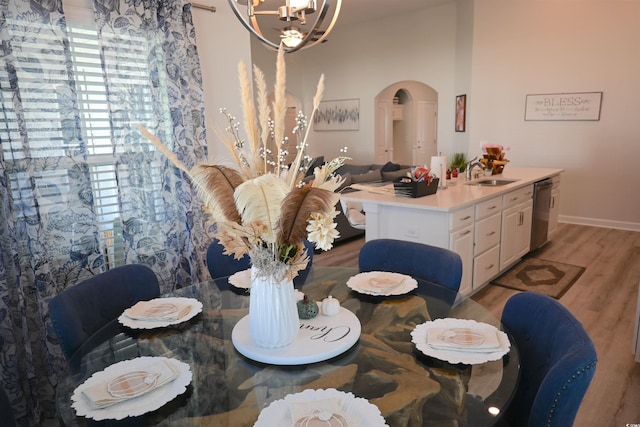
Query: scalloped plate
[196,307]
[358,412]
[420,333]
[382,283]
[147,402]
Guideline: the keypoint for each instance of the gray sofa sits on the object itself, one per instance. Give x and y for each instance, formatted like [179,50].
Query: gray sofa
[361,174]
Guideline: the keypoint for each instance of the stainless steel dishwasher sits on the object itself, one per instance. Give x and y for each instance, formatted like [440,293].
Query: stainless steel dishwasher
[541,207]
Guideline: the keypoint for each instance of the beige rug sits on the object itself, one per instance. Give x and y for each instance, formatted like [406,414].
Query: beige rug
[540,275]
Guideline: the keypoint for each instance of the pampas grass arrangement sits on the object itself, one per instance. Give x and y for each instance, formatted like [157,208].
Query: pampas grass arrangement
[261,206]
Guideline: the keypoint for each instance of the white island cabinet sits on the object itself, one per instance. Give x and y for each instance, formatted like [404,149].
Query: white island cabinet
[489,227]
[516,225]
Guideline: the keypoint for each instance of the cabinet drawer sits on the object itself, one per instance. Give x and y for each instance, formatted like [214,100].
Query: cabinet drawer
[516,197]
[486,266]
[487,233]
[461,218]
[489,207]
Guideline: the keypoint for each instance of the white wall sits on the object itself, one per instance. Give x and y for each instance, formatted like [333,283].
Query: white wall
[361,61]
[495,51]
[530,47]
[222,44]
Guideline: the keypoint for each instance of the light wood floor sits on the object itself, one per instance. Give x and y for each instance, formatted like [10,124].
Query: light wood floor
[604,299]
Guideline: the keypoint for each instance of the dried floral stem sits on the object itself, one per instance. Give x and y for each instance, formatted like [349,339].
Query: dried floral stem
[263,110]
[250,119]
[164,149]
[279,103]
[293,172]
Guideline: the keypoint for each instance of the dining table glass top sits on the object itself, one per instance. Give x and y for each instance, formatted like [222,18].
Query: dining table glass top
[383,366]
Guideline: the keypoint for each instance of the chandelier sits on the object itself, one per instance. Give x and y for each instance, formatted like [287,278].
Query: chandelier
[289,20]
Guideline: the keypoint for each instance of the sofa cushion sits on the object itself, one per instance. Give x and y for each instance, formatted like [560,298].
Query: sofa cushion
[347,182]
[370,176]
[392,176]
[356,169]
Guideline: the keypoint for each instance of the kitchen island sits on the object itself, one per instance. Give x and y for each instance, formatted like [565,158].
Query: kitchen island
[489,226]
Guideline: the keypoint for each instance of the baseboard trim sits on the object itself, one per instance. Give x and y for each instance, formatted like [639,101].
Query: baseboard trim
[595,222]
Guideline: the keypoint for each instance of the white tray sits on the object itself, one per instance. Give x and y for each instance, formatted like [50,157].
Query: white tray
[320,338]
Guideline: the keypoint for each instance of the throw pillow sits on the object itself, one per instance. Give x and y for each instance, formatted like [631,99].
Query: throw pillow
[317,161]
[366,177]
[390,167]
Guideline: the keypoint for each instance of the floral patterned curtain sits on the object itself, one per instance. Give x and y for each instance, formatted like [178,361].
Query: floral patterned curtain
[81,190]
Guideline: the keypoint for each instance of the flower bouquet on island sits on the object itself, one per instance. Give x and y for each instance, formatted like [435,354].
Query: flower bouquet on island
[261,206]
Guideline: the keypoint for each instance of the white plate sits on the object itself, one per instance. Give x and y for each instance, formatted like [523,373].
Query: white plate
[320,338]
[241,279]
[357,411]
[420,333]
[382,283]
[139,405]
[196,307]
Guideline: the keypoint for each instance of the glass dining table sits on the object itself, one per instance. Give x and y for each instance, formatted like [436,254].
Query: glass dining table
[383,366]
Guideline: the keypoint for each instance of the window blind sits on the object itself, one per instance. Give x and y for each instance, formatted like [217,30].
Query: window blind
[47,130]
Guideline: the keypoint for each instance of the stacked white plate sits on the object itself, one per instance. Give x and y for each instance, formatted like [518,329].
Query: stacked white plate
[382,283]
[160,312]
[460,341]
[131,388]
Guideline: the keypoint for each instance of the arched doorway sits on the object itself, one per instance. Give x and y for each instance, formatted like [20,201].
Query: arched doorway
[406,123]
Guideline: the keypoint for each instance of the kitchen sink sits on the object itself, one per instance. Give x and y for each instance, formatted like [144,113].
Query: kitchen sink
[492,182]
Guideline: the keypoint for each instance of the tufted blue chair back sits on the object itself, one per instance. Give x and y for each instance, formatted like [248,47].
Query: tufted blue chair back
[418,260]
[81,310]
[558,361]
[222,265]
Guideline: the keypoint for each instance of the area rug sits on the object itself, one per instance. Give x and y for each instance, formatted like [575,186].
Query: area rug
[540,275]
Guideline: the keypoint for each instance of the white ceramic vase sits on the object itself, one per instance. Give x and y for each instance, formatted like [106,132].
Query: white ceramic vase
[273,315]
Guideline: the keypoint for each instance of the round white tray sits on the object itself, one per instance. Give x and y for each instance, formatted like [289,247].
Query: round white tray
[320,338]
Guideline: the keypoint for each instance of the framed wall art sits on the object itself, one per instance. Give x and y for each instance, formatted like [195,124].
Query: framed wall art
[339,114]
[563,106]
[461,113]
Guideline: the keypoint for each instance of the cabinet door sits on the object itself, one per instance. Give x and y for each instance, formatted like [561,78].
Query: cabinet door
[523,245]
[461,242]
[516,233]
[486,266]
[553,211]
[508,244]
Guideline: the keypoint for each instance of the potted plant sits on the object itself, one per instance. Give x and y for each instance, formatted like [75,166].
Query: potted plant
[459,160]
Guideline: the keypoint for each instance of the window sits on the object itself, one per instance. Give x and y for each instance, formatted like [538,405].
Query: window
[50,136]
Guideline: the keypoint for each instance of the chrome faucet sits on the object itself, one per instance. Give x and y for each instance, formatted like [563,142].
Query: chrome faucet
[469,169]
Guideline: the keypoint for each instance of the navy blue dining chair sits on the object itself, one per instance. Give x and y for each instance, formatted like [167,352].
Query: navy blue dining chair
[220,264]
[557,357]
[82,309]
[418,260]
[6,410]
